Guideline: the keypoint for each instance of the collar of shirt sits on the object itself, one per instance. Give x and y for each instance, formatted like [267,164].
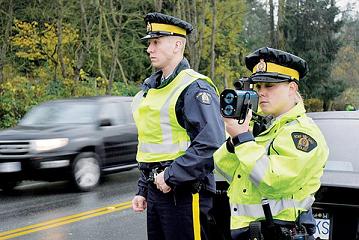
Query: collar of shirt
[181,66]
[163,78]
[151,81]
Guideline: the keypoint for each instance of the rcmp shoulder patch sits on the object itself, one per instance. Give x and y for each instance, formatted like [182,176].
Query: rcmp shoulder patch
[303,141]
[204,97]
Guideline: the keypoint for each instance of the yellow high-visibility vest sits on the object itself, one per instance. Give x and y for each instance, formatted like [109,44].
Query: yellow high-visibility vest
[160,136]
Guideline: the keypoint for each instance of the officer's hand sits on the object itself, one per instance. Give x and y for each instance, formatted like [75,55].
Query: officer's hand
[233,128]
[139,203]
[161,184]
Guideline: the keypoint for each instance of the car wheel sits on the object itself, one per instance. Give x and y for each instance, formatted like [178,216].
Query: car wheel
[86,171]
[8,186]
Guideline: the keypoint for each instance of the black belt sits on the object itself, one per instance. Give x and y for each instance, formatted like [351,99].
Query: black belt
[150,170]
[151,176]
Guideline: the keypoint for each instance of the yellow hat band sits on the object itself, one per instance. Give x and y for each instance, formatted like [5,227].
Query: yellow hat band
[272,67]
[160,27]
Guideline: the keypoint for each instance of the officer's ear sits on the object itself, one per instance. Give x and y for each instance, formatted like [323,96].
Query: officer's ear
[180,44]
[293,88]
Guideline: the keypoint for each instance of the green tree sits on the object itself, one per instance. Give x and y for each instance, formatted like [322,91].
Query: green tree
[345,67]
[6,17]
[229,50]
[310,29]
[256,29]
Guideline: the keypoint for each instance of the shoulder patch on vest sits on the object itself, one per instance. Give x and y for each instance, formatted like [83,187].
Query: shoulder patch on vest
[204,97]
[303,141]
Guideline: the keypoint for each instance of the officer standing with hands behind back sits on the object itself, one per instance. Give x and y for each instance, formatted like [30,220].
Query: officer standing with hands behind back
[283,164]
[179,128]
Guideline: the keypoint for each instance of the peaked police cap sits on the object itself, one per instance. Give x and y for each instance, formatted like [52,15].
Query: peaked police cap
[273,65]
[159,25]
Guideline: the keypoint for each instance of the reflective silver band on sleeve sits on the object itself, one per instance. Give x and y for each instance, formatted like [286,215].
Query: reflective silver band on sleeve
[259,170]
[260,167]
[226,176]
[256,210]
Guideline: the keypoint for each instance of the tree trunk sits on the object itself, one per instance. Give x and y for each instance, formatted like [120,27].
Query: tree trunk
[55,71]
[158,5]
[272,27]
[114,63]
[187,10]
[213,39]
[59,38]
[118,23]
[202,21]
[326,105]
[85,41]
[119,26]
[280,24]
[99,42]
[5,43]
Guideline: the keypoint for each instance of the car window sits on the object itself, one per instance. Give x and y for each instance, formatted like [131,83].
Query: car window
[61,113]
[342,138]
[110,110]
[125,113]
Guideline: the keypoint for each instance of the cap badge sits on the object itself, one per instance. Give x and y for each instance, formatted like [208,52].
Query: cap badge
[261,66]
[149,27]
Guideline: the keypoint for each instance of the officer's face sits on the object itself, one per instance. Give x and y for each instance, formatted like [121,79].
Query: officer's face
[161,51]
[276,98]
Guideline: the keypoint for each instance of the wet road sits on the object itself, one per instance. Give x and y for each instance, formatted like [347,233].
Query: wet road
[52,211]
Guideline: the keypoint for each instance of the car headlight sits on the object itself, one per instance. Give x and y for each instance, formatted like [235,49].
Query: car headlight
[42,145]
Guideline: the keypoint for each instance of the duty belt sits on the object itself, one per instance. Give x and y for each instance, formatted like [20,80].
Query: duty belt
[194,187]
[153,174]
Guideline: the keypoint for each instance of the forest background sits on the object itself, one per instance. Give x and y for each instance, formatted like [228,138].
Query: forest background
[60,49]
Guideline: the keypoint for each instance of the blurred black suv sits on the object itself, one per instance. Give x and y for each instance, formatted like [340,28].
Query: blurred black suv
[78,139]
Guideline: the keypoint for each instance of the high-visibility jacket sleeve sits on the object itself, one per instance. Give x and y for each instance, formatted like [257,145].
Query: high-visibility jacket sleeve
[225,162]
[283,169]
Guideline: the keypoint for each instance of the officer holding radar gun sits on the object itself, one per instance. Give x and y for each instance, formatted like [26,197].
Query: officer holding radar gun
[275,155]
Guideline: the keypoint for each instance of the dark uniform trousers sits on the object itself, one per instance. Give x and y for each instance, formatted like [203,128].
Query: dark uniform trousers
[175,215]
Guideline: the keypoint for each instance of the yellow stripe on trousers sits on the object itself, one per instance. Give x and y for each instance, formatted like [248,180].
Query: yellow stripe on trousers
[195,213]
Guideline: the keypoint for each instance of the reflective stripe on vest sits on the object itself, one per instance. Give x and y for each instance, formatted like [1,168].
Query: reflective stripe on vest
[167,146]
[256,211]
[164,147]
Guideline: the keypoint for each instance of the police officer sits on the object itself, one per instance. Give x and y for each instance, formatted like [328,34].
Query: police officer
[284,163]
[179,128]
